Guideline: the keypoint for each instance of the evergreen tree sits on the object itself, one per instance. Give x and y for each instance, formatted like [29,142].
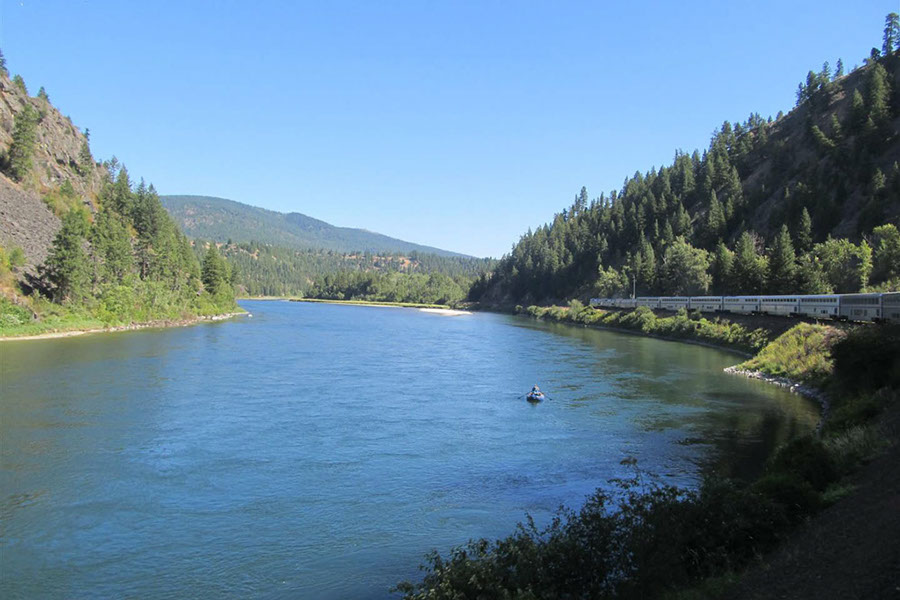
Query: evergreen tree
[721,270]
[214,272]
[878,92]
[22,148]
[804,232]
[20,83]
[782,264]
[749,266]
[839,69]
[858,113]
[891,33]
[715,222]
[3,68]
[111,243]
[42,94]
[67,268]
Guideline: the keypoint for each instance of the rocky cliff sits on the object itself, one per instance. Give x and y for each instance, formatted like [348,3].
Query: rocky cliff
[60,156]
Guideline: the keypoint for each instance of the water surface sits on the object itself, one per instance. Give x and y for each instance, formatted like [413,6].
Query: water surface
[318,451]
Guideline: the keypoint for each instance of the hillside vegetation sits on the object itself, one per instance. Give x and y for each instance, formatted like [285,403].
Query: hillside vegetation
[806,202]
[221,220]
[264,270]
[82,246]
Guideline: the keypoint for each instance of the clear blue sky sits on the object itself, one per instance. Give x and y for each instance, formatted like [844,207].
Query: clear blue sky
[454,124]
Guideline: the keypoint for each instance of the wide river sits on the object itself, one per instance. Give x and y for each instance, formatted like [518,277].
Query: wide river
[319,451]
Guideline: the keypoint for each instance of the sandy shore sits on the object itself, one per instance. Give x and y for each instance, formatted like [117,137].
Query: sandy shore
[132,327]
[450,312]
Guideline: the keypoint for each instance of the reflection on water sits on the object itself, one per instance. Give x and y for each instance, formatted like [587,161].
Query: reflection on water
[319,451]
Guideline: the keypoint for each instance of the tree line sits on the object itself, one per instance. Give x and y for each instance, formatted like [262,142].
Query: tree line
[804,203]
[266,270]
[130,262]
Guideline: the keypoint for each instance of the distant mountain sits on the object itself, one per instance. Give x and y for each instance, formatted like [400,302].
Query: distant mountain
[219,219]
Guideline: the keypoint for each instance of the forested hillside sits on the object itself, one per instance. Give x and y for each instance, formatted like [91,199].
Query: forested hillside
[218,219]
[264,270]
[81,244]
[806,202]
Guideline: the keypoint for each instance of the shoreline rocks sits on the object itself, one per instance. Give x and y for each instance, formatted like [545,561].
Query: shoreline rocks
[795,387]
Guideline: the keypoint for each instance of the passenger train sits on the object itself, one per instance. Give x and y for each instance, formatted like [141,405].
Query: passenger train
[844,307]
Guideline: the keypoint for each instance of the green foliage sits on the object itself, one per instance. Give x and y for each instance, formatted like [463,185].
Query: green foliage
[808,459]
[435,288]
[648,541]
[220,220]
[23,139]
[782,264]
[886,253]
[3,68]
[846,265]
[67,269]
[868,359]
[20,83]
[891,33]
[803,353]
[42,94]
[850,447]
[13,315]
[749,271]
[681,326]
[684,270]
[214,273]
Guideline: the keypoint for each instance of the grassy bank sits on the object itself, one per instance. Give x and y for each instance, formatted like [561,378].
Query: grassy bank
[643,540]
[682,326]
[368,303]
[38,316]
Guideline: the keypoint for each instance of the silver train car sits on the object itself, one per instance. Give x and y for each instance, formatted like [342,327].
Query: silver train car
[876,307]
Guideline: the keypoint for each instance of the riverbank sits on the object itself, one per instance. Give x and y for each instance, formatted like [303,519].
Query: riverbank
[372,303]
[694,544]
[682,327]
[80,329]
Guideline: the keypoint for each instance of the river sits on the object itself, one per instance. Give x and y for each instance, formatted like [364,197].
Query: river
[319,451]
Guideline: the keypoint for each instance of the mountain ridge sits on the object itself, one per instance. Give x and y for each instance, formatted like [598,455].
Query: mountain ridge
[221,219]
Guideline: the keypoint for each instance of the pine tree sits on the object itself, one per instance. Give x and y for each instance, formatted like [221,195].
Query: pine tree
[3,68]
[721,268]
[858,113]
[67,268]
[749,267]
[715,222]
[878,93]
[23,139]
[111,243]
[891,33]
[804,232]
[782,264]
[214,272]
[20,83]
[839,69]
[42,94]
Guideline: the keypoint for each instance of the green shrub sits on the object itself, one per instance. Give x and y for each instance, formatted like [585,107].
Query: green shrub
[808,459]
[854,445]
[868,359]
[795,494]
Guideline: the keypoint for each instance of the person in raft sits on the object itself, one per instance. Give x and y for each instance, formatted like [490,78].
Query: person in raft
[535,390]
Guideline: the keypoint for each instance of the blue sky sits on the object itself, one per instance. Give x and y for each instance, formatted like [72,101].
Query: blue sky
[454,124]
